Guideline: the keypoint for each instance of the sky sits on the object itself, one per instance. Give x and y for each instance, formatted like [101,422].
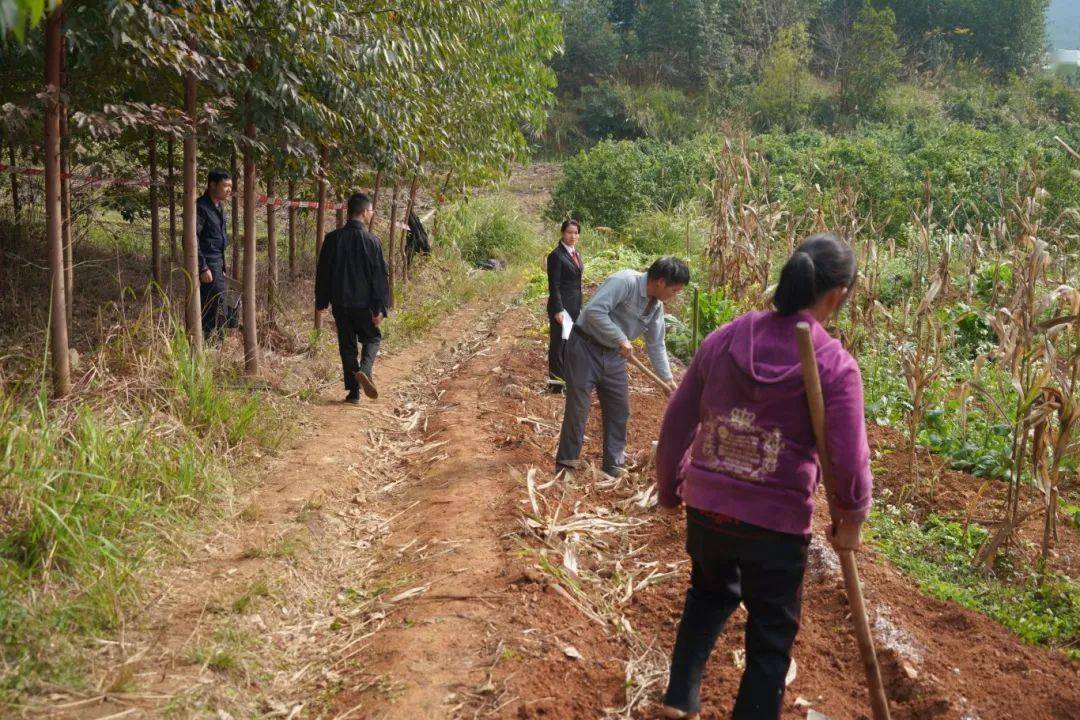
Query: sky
[1063,24]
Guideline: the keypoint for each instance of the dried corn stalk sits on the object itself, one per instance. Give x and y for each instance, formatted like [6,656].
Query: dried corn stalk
[745,225]
[1039,356]
[922,359]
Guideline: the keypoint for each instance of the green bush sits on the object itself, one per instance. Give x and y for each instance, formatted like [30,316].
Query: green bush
[607,184]
[974,335]
[611,259]
[603,113]
[680,172]
[890,165]
[602,186]
[985,278]
[982,448]
[489,227]
[907,103]
[714,310]
[662,113]
[681,232]
[782,97]
[977,104]
[894,280]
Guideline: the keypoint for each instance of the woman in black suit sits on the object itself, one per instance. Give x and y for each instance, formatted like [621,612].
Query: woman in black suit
[564,296]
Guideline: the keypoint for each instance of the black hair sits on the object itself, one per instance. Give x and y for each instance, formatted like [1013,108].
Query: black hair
[568,223]
[821,263]
[216,176]
[358,203]
[671,269]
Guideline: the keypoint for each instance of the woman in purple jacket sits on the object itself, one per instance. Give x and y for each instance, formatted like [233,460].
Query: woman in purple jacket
[749,479]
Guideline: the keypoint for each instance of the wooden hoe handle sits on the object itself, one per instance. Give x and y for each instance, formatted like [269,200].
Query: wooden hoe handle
[652,376]
[878,703]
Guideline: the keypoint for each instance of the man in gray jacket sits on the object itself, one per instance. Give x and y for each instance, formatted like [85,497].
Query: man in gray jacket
[629,305]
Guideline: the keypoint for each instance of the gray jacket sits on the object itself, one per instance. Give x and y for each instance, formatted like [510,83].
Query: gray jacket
[621,310]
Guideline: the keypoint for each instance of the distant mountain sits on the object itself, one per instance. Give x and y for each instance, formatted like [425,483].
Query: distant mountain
[1063,24]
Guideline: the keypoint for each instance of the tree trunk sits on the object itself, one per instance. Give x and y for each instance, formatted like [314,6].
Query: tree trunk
[191,248]
[235,236]
[15,204]
[375,199]
[271,247]
[340,216]
[172,208]
[58,336]
[65,197]
[320,213]
[155,225]
[292,229]
[438,205]
[251,340]
[408,213]
[390,240]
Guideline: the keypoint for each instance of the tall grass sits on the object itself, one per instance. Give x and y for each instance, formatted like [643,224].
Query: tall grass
[472,231]
[489,227]
[443,283]
[92,491]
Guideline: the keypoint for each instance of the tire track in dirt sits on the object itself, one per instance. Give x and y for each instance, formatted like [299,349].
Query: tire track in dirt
[436,657]
[250,623]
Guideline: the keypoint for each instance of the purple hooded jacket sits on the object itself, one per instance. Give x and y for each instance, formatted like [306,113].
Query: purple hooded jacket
[742,411]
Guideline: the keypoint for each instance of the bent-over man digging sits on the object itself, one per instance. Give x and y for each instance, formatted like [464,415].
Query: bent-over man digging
[628,305]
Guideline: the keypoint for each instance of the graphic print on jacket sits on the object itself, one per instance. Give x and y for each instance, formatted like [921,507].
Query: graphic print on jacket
[736,446]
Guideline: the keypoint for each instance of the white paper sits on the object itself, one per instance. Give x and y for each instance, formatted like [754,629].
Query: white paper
[567,326]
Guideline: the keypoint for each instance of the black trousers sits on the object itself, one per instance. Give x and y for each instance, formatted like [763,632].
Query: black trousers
[556,347]
[355,325]
[212,297]
[735,561]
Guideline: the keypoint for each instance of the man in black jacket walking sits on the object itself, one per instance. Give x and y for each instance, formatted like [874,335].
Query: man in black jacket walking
[210,228]
[351,276]
[564,297]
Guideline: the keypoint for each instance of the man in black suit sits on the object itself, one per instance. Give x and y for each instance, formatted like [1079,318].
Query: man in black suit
[213,237]
[564,297]
[351,276]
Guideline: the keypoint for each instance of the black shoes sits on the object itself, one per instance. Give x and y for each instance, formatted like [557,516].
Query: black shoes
[365,382]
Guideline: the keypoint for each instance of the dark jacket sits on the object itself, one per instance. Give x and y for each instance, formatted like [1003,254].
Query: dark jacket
[210,229]
[564,283]
[416,240]
[352,271]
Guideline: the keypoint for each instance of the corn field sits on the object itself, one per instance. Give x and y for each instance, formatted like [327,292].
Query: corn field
[1013,275]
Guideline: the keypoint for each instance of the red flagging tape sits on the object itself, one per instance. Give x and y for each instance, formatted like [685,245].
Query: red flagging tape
[92,181]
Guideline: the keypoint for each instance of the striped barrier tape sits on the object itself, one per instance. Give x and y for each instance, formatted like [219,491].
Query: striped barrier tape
[93,182]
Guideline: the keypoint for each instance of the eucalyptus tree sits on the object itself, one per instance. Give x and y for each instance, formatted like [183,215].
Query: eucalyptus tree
[124,46]
[278,43]
[318,84]
[496,89]
[21,69]
[58,327]
[176,39]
